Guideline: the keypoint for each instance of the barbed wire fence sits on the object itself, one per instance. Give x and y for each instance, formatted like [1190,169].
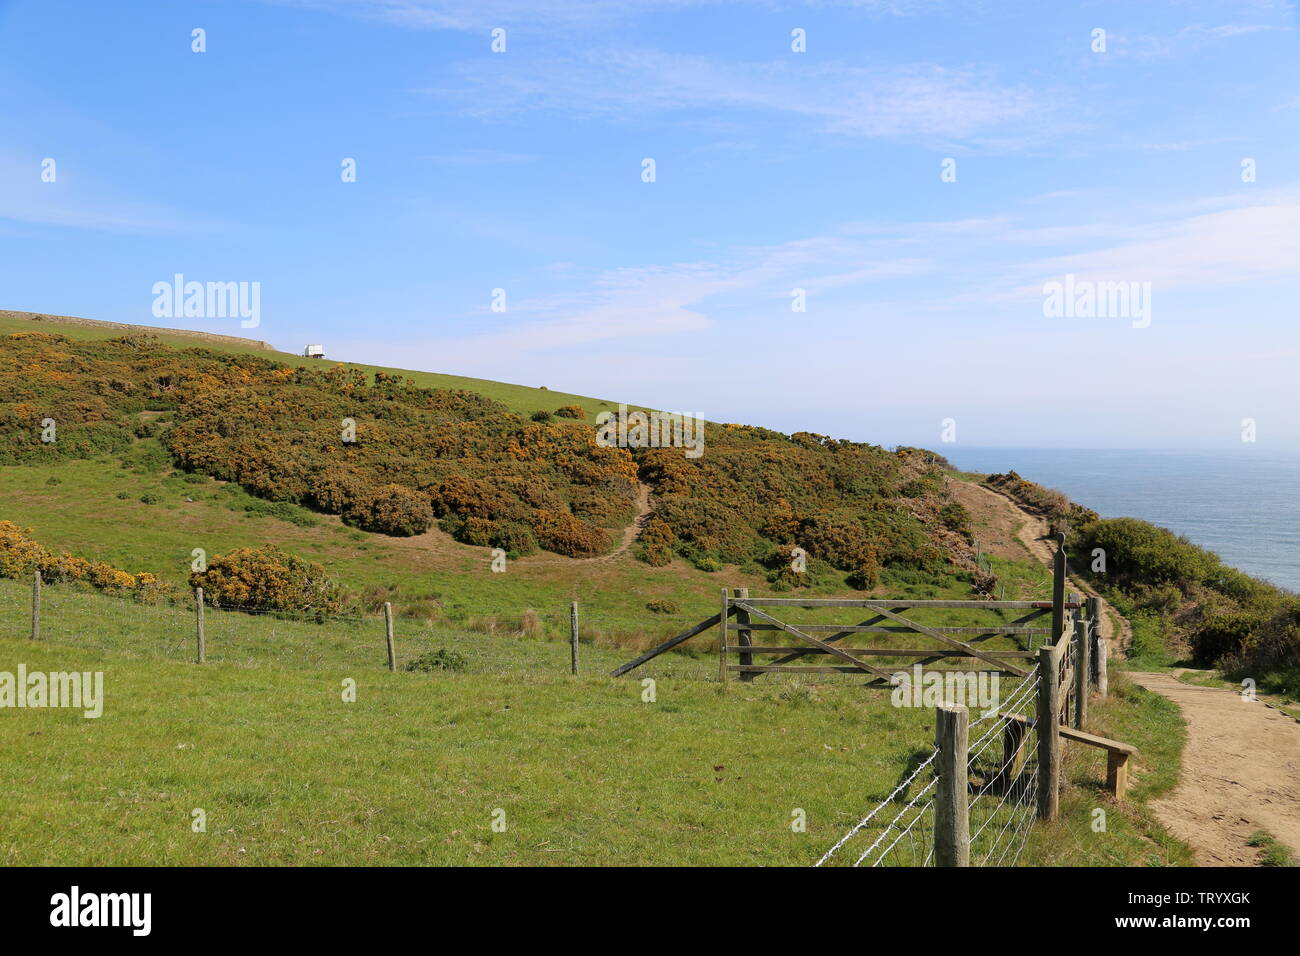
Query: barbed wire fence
[1001,772]
[1003,802]
[165,624]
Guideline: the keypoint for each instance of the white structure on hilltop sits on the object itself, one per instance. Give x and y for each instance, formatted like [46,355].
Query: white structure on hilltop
[313,351]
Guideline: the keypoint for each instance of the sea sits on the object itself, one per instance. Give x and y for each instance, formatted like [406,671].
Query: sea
[1242,505]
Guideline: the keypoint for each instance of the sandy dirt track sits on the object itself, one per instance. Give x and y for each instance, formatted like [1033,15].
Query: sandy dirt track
[1241,773]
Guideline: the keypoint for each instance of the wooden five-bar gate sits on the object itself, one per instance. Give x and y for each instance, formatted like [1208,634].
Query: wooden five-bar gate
[754,635]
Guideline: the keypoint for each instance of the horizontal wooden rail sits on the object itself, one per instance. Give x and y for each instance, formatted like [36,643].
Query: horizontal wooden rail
[885,602]
[901,629]
[874,651]
[832,669]
[1117,752]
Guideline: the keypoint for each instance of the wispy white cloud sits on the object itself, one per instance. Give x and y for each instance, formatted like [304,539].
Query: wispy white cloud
[911,102]
[1186,41]
[485,14]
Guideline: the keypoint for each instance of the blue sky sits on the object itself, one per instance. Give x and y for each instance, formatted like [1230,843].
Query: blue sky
[775,170]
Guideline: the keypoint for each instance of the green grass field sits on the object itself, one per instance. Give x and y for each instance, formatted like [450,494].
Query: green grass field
[261,740]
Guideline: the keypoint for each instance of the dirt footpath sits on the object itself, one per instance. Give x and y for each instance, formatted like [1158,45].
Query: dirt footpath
[1241,766]
[1241,773]
[1008,531]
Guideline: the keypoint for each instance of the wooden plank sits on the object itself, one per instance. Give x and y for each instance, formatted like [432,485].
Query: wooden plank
[665,646]
[1092,740]
[829,648]
[887,602]
[792,669]
[838,636]
[1018,621]
[816,669]
[952,642]
[899,629]
[877,652]
[742,630]
[1078,736]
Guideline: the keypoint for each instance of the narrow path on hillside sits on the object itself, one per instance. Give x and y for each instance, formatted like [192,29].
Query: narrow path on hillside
[1241,765]
[643,509]
[1005,519]
[1241,773]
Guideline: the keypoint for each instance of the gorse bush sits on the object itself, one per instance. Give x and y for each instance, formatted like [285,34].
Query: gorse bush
[267,579]
[21,556]
[1182,599]
[280,433]
[392,458]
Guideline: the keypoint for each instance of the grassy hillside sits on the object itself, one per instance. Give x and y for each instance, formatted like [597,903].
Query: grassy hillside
[1184,603]
[521,399]
[166,448]
[162,451]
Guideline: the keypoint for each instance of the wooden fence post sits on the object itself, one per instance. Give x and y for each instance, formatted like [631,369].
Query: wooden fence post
[746,635]
[722,639]
[1103,676]
[1049,744]
[36,605]
[1058,588]
[1094,634]
[1082,666]
[201,654]
[952,800]
[573,637]
[388,635]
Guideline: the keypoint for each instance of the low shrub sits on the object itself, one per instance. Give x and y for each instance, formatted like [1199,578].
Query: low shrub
[439,660]
[267,579]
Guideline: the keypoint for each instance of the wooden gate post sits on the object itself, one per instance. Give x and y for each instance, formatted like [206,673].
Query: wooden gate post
[952,801]
[201,652]
[1093,604]
[722,639]
[1049,744]
[1082,667]
[388,636]
[746,636]
[36,605]
[573,638]
[1103,676]
[1058,588]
